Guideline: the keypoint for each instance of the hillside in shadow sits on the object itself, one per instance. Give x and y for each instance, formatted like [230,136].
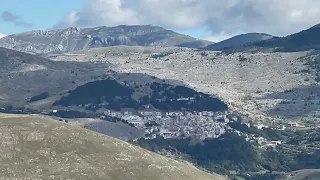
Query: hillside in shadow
[138,93]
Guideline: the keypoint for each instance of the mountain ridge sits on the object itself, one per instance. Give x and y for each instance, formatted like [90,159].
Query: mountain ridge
[238,40]
[74,38]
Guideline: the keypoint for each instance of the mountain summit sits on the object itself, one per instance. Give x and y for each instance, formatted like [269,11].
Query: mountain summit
[73,38]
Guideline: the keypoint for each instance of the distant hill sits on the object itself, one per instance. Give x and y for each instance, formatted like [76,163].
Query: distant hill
[304,40]
[28,78]
[73,38]
[36,147]
[238,41]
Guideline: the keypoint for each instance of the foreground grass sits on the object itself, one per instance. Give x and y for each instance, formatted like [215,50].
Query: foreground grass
[41,148]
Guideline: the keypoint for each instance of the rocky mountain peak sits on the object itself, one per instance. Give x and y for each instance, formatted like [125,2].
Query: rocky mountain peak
[74,38]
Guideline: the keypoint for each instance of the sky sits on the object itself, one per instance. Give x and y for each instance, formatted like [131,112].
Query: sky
[213,20]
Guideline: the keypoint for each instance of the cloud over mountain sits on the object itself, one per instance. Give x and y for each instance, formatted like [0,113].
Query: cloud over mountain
[220,17]
[2,35]
[15,19]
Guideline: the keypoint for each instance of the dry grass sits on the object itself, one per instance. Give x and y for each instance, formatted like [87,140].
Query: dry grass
[40,148]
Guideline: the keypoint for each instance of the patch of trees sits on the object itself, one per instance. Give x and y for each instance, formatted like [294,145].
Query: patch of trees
[108,92]
[232,152]
[73,114]
[160,55]
[39,97]
[112,95]
[166,97]
[267,176]
[19,110]
[229,152]
[314,63]
[115,119]
[242,58]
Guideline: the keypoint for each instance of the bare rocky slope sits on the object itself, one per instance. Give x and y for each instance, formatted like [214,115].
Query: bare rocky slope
[35,147]
[70,39]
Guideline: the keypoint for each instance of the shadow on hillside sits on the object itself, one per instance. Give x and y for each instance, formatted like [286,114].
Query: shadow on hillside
[136,91]
[297,102]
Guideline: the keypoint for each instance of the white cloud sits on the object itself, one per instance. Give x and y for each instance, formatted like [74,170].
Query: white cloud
[219,37]
[277,17]
[100,12]
[2,35]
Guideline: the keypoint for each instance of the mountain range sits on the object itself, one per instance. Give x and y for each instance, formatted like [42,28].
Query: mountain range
[73,38]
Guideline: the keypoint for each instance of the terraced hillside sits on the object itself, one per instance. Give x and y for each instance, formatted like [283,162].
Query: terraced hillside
[35,147]
[262,86]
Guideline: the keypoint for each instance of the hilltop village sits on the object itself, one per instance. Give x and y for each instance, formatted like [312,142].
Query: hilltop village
[205,124]
[197,125]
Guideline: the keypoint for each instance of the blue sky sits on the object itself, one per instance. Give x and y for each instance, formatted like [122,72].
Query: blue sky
[43,14]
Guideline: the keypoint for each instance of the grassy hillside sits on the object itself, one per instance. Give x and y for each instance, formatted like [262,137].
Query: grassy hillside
[35,147]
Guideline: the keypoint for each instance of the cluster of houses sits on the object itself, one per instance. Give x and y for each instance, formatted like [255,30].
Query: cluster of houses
[201,125]
[196,124]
